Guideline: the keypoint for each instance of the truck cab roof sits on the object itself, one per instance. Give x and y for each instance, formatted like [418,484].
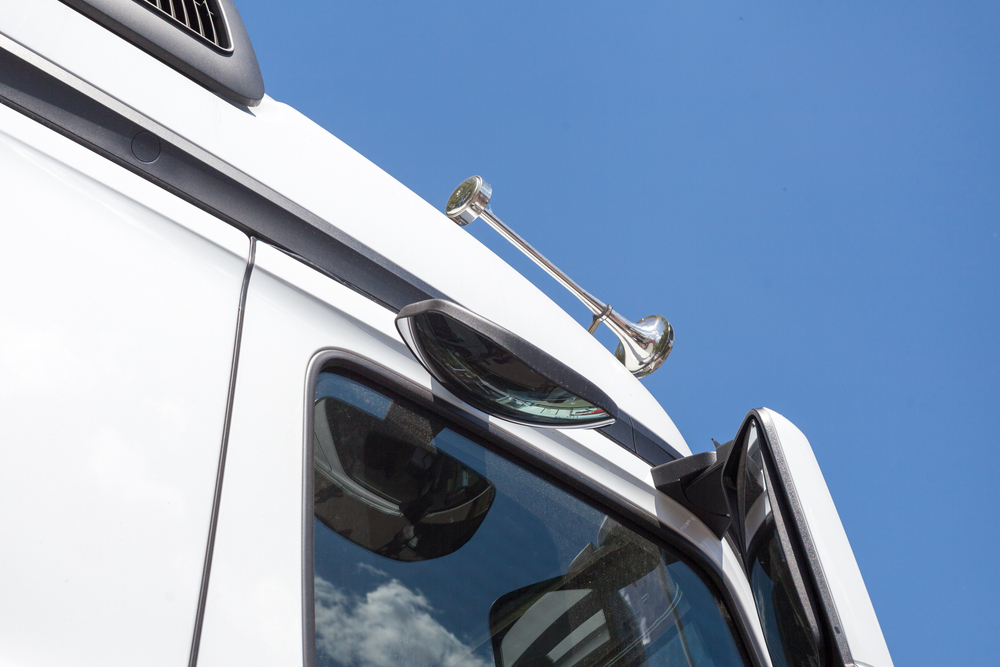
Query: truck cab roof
[275,147]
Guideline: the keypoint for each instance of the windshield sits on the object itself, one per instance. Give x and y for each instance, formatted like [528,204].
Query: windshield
[431,550]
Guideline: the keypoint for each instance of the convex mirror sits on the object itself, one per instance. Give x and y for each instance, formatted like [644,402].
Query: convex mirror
[499,372]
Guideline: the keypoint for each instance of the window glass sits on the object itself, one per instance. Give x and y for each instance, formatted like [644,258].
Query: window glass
[431,550]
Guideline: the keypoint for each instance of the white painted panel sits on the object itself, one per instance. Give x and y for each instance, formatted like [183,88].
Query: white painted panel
[254,611]
[861,626]
[117,322]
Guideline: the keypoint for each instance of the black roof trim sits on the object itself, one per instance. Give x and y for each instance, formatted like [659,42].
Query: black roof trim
[636,438]
[219,189]
[233,73]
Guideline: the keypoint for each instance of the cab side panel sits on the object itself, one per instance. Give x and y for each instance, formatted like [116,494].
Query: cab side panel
[254,610]
[118,313]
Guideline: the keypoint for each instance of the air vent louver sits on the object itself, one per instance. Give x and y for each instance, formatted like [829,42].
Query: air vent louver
[203,39]
[202,17]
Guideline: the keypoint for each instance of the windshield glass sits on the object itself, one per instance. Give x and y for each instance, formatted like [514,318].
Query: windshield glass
[431,550]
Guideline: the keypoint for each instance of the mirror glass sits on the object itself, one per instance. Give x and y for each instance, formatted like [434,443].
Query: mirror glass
[461,195]
[490,377]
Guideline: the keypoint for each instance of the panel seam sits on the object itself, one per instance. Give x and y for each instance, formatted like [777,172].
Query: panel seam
[221,469]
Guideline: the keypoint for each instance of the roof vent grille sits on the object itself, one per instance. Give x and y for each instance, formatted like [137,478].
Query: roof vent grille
[202,17]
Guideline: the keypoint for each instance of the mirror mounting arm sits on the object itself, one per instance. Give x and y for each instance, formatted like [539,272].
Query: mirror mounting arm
[697,483]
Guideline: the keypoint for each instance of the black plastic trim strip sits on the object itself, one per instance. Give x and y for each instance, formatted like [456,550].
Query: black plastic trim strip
[620,432]
[639,440]
[220,190]
[221,469]
[233,73]
[524,455]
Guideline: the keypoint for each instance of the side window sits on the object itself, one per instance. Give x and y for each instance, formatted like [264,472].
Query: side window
[431,550]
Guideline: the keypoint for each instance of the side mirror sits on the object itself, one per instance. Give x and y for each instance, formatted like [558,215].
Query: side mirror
[499,372]
[764,492]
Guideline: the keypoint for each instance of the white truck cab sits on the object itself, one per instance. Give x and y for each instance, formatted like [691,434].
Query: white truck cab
[263,405]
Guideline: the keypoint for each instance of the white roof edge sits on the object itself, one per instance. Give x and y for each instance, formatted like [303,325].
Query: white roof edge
[284,150]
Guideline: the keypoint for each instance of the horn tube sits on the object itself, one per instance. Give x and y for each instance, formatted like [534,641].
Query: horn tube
[643,345]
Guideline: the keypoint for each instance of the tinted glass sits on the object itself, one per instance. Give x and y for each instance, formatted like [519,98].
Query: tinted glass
[380,481]
[431,550]
[792,638]
[491,377]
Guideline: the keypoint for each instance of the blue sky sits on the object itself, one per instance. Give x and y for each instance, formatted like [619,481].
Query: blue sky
[811,195]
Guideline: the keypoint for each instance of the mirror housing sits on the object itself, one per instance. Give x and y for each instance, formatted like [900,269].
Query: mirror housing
[698,483]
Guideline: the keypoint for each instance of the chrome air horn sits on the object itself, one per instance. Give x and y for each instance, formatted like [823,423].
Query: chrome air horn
[644,344]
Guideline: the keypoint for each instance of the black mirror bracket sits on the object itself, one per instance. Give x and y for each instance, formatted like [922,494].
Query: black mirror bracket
[697,483]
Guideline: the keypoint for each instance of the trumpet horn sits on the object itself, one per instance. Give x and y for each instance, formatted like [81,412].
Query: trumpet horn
[643,345]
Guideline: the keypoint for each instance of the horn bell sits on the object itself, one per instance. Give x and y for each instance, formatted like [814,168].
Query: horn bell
[644,345]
